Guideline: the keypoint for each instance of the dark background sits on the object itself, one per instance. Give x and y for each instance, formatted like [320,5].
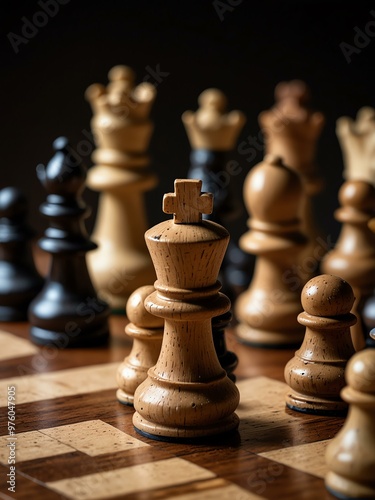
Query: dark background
[246,52]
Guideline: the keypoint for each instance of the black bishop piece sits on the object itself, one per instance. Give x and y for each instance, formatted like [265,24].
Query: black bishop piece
[67,312]
[19,280]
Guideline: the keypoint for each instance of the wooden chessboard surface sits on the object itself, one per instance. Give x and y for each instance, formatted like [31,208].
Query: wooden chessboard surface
[76,441]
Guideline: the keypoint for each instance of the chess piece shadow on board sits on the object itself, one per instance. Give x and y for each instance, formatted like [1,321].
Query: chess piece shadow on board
[187,394]
[122,131]
[213,133]
[291,130]
[315,375]
[267,311]
[350,456]
[147,333]
[19,280]
[66,312]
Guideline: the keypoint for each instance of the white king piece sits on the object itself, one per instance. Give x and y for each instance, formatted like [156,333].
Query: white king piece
[122,131]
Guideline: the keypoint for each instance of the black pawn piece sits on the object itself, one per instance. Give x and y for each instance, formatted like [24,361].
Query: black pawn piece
[228,359]
[67,312]
[19,280]
[208,166]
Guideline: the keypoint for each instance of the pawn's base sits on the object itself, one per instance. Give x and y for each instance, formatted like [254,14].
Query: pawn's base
[161,432]
[316,406]
[61,340]
[345,489]
[124,398]
[271,339]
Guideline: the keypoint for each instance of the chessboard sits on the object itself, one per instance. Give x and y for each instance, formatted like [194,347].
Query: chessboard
[72,439]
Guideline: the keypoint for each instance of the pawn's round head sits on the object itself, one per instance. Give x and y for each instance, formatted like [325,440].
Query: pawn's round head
[360,372]
[327,295]
[13,203]
[359,195]
[136,311]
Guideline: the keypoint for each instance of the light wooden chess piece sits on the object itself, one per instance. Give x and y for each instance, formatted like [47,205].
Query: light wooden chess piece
[350,457]
[122,132]
[213,132]
[291,130]
[267,311]
[211,127]
[357,141]
[147,333]
[316,373]
[187,394]
[353,257]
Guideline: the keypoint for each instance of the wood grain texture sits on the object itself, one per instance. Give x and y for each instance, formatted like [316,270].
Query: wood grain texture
[235,468]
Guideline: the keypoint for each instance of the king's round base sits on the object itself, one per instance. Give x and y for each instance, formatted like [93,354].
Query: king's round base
[164,433]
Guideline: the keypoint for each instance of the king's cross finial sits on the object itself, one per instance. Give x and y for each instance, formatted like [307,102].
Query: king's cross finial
[187,203]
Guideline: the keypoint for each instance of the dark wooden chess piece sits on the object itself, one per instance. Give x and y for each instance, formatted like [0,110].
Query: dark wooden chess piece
[66,312]
[212,134]
[228,359]
[19,280]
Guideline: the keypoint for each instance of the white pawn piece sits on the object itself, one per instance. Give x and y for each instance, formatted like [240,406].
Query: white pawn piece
[353,257]
[267,312]
[187,394]
[147,333]
[357,141]
[350,457]
[122,132]
[316,373]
